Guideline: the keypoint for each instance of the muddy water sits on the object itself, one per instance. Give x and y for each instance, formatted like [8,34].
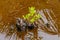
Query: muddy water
[10,9]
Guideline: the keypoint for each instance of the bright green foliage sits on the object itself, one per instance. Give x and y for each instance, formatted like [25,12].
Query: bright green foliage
[32,11]
[36,17]
[32,20]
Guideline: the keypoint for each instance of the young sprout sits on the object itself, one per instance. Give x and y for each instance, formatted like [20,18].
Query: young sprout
[31,13]
[32,10]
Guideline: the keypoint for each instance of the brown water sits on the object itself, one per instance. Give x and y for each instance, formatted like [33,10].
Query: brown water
[9,9]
